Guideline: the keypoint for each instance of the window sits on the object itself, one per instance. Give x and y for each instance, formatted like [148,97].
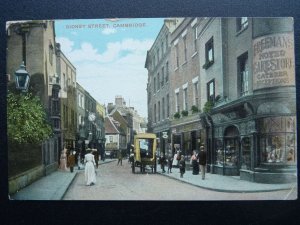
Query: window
[209,53]
[167,42]
[162,48]
[158,80]
[163,109]
[162,76]
[185,48]
[176,56]
[157,56]
[167,71]
[244,74]
[154,113]
[195,31]
[168,105]
[277,140]
[242,23]
[211,91]
[185,99]
[51,54]
[158,111]
[196,93]
[110,139]
[154,85]
[65,82]
[177,102]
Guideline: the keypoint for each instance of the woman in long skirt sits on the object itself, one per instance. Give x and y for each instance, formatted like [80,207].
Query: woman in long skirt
[89,172]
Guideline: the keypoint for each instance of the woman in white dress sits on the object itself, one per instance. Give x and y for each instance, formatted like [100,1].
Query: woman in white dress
[63,161]
[89,172]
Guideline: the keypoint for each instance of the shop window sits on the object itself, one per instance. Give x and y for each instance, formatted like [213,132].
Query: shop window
[277,141]
[231,146]
[246,153]
[219,152]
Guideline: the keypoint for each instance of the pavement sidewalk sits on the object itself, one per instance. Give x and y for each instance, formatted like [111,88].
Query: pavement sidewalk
[55,185]
[225,183]
[51,187]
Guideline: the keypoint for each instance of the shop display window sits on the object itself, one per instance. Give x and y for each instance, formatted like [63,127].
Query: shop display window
[278,148]
[277,141]
[231,152]
[219,153]
[246,153]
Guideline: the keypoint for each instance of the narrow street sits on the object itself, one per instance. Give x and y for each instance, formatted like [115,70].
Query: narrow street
[118,183]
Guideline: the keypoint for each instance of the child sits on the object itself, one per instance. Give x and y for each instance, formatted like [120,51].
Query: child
[182,166]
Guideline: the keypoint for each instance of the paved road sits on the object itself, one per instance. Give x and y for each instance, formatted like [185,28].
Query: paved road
[118,183]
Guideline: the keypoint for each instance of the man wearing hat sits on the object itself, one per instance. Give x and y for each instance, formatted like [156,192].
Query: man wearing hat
[202,161]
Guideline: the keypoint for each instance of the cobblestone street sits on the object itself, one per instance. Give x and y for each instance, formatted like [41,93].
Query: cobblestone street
[118,183]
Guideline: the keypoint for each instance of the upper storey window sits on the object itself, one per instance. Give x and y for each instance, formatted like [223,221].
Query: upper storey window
[242,23]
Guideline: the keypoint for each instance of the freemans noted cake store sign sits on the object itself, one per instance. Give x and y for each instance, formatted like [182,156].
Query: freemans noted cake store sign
[273,61]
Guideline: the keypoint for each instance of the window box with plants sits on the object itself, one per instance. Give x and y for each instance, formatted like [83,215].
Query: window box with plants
[177,115]
[184,113]
[195,109]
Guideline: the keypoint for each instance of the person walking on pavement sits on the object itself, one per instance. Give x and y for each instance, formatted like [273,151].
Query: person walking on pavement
[96,156]
[90,174]
[194,163]
[120,157]
[170,162]
[162,163]
[182,166]
[71,161]
[62,162]
[202,161]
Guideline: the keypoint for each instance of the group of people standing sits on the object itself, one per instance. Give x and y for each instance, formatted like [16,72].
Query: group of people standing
[178,161]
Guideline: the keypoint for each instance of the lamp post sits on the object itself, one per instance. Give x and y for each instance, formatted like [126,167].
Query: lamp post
[22,78]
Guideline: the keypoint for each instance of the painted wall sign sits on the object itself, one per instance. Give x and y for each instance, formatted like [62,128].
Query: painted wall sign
[273,61]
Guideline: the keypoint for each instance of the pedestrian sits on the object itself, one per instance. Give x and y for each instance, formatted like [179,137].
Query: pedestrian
[96,155]
[194,163]
[120,157]
[176,159]
[182,166]
[162,163]
[62,161]
[202,161]
[170,162]
[78,160]
[71,160]
[90,174]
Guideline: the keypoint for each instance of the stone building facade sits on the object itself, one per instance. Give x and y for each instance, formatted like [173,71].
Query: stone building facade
[245,69]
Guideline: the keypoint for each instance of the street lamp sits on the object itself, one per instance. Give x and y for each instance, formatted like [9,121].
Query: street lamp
[22,78]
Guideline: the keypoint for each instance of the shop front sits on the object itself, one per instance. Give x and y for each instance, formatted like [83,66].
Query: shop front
[257,147]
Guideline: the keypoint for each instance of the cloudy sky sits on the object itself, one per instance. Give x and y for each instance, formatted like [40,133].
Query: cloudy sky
[110,57]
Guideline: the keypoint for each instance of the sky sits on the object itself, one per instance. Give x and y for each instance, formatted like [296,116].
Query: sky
[110,58]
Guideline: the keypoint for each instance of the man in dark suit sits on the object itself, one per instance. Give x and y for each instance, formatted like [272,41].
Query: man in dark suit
[202,161]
